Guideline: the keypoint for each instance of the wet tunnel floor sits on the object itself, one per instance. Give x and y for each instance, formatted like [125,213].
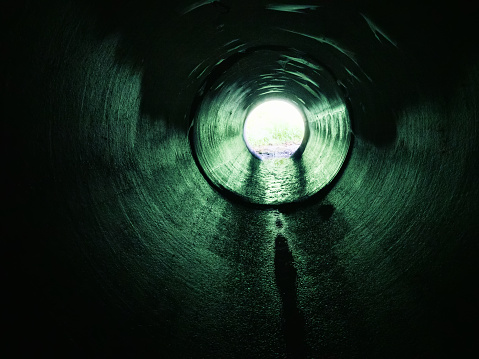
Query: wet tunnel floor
[293,324]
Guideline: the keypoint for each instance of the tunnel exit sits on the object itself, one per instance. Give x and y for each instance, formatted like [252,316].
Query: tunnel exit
[274,129]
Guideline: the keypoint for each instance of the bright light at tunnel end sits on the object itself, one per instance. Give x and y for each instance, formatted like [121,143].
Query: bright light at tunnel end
[274,129]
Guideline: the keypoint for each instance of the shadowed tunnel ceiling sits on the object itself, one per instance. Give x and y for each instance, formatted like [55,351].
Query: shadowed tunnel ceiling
[137,222]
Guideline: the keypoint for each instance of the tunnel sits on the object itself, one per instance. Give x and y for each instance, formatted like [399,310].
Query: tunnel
[137,222]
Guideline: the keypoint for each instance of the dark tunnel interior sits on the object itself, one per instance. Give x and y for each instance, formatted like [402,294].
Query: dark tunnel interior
[136,222]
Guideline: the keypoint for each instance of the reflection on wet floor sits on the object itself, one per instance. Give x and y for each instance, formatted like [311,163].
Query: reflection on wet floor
[286,279]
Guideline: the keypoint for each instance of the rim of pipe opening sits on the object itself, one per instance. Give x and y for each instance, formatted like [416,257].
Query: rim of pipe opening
[290,101]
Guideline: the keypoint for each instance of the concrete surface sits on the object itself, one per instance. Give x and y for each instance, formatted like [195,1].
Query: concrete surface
[117,244]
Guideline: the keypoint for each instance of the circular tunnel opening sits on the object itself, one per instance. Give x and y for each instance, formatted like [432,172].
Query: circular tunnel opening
[274,129]
[269,127]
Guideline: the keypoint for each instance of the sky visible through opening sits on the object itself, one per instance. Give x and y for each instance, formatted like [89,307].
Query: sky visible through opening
[274,128]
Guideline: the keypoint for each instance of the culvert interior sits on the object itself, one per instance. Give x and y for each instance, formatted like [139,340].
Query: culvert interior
[138,223]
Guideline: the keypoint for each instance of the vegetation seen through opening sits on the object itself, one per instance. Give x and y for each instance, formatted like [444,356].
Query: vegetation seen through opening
[273,129]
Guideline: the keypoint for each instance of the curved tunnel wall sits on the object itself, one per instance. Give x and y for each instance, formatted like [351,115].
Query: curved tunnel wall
[118,242]
[256,75]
